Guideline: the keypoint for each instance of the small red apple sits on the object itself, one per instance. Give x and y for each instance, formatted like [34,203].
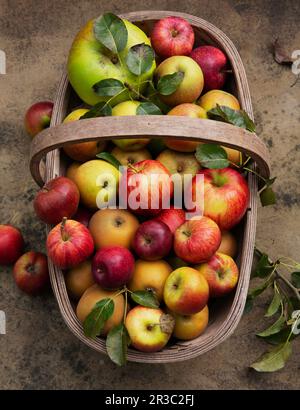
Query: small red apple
[83,215]
[212,62]
[69,243]
[172,217]
[197,240]
[153,240]
[57,199]
[112,266]
[172,36]
[11,244]
[38,117]
[31,272]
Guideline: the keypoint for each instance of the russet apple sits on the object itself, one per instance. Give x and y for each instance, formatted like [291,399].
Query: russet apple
[11,244]
[214,97]
[130,157]
[188,327]
[190,87]
[93,295]
[38,117]
[79,279]
[197,240]
[172,217]
[221,273]
[113,227]
[150,276]
[145,332]
[228,244]
[186,291]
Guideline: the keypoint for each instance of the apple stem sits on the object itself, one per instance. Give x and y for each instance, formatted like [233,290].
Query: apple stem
[229,71]
[133,168]
[62,228]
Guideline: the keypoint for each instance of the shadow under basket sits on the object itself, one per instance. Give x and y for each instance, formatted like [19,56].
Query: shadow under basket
[225,313]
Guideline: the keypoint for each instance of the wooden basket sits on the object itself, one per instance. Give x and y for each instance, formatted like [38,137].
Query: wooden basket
[224,314]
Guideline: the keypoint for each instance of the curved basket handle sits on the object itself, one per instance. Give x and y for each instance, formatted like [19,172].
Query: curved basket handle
[107,128]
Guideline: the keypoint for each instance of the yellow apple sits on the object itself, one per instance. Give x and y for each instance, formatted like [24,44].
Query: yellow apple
[72,170]
[233,155]
[130,157]
[214,97]
[79,279]
[188,327]
[228,244]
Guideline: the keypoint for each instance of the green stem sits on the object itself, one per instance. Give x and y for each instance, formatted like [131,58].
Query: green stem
[126,303]
[255,173]
[288,284]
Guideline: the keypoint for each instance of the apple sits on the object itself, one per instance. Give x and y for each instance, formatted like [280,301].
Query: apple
[221,273]
[151,276]
[197,240]
[57,199]
[93,295]
[188,327]
[226,196]
[69,243]
[112,266]
[90,62]
[72,170]
[11,244]
[214,97]
[113,227]
[187,110]
[79,279]
[31,272]
[149,187]
[172,217]
[38,117]
[83,215]
[153,240]
[228,244]
[128,144]
[186,291]
[97,181]
[172,36]
[82,151]
[213,65]
[145,332]
[190,87]
[130,157]
[234,155]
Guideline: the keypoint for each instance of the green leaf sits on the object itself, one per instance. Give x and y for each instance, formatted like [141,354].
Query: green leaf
[211,156]
[274,305]
[169,83]
[116,344]
[236,117]
[274,328]
[145,298]
[156,146]
[140,58]
[111,31]
[263,267]
[108,157]
[101,109]
[148,108]
[108,87]
[280,337]
[273,360]
[248,305]
[95,321]
[152,95]
[295,278]
[267,196]
[253,293]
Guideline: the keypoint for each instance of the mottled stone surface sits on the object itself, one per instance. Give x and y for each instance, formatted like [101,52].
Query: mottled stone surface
[39,351]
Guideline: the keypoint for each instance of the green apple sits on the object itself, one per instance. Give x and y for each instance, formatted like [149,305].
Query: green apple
[90,62]
[127,144]
[190,87]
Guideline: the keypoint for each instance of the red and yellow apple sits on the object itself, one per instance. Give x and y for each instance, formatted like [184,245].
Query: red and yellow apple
[214,97]
[188,327]
[172,217]
[38,117]
[228,244]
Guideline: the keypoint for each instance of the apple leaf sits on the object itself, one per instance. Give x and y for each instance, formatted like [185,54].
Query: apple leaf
[111,31]
[211,156]
[263,267]
[107,156]
[274,328]
[145,298]
[280,337]
[253,293]
[274,359]
[148,108]
[295,278]
[108,87]
[101,109]
[267,196]
[275,303]
[169,83]
[236,117]
[96,319]
[140,58]
[248,305]
[116,344]
[167,323]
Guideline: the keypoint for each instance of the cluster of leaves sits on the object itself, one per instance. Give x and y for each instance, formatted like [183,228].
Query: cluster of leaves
[283,278]
[118,339]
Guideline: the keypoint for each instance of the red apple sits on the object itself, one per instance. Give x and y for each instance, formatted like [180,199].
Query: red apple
[112,266]
[38,117]
[83,215]
[11,244]
[172,217]
[226,196]
[153,240]
[69,243]
[221,273]
[31,272]
[57,199]
[172,36]
[212,62]
[149,187]
[197,240]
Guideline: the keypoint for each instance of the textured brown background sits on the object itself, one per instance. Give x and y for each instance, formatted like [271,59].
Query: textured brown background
[39,351]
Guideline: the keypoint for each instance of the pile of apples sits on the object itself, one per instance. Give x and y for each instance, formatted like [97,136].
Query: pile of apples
[182,263]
